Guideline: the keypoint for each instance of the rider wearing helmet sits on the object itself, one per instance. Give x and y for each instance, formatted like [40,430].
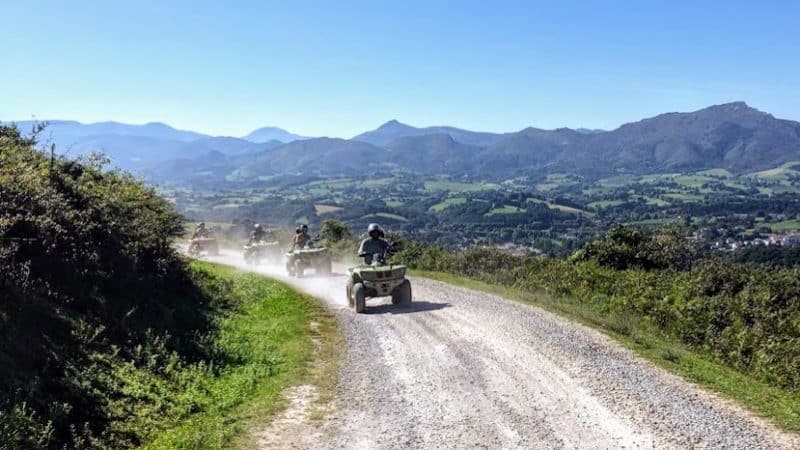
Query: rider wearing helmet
[258,234]
[301,237]
[201,231]
[374,244]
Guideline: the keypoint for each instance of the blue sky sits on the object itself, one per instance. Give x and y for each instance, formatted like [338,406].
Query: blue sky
[337,68]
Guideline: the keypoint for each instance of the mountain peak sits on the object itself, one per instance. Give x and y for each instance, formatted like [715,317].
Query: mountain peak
[733,107]
[394,124]
[269,133]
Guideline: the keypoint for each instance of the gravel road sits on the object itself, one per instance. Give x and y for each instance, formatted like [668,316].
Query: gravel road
[465,369]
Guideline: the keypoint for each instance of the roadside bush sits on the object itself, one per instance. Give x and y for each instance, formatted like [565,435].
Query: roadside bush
[88,282]
[626,247]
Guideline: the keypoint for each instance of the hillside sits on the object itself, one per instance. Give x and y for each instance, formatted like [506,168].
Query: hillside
[394,130]
[734,137]
[432,154]
[327,156]
[108,339]
[150,147]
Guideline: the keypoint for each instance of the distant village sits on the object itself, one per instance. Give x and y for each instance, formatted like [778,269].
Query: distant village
[739,237]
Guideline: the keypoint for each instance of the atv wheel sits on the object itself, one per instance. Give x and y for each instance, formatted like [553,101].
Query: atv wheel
[402,294]
[350,293]
[290,269]
[359,298]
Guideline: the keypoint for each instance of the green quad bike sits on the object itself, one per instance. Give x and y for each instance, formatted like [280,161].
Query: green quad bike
[379,279]
[300,260]
[260,251]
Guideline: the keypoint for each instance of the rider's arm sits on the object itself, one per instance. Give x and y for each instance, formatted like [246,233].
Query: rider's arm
[362,251]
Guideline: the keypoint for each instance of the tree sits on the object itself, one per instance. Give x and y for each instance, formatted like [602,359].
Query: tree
[335,231]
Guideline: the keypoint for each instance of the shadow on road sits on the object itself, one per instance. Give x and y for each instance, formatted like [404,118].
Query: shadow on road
[415,307]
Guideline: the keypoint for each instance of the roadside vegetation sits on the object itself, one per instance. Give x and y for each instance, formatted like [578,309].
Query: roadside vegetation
[732,326]
[108,339]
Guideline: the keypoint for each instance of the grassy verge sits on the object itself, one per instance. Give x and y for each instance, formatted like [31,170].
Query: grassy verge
[272,338]
[782,407]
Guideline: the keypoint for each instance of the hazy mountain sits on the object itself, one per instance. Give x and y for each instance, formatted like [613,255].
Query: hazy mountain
[139,147]
[393,130]
[226,145]
[326,156]
[434,153]
[733,136]
[62,131]
[267,134]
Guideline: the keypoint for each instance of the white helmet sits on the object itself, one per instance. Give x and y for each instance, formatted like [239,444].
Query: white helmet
[374,227]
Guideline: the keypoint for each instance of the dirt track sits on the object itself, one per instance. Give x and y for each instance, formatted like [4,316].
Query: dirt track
[464,369]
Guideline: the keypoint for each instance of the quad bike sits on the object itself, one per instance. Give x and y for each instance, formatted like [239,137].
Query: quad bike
[205,244]
[379,279]
[300,260]
[260,251]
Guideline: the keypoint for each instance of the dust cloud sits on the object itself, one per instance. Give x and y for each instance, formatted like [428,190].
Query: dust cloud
[330,288]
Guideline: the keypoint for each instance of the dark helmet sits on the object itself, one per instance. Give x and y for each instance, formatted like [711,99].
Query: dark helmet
[201,225]
[297,230]
[374,227]
[304,227]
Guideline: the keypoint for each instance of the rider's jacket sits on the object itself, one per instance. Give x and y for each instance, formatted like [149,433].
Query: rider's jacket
[300,240]
[371,246]
[257,236]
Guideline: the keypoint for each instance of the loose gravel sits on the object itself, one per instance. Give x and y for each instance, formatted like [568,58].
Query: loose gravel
[465,369]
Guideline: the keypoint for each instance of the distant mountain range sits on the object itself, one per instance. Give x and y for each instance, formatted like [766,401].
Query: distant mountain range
[141,147]
[733,136]
[267,134]
[394,130]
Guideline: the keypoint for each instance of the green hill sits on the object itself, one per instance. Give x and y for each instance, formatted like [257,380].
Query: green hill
[107,338]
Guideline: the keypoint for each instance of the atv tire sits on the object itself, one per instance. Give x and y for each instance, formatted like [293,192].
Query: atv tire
[402,294]
[359,298]
[350,293]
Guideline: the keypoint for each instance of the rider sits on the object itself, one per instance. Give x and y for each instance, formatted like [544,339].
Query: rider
[201,231]
[301,238]
[257,235]
[374,244]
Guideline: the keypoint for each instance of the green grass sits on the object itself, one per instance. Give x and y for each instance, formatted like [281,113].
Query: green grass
[617,181]
[439,207]
[602,204]
[716,173]
[780,406]
[655,201]
[266,333]
[378,182]
[325,209]
[457,186]
[505,209]
[786,225]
